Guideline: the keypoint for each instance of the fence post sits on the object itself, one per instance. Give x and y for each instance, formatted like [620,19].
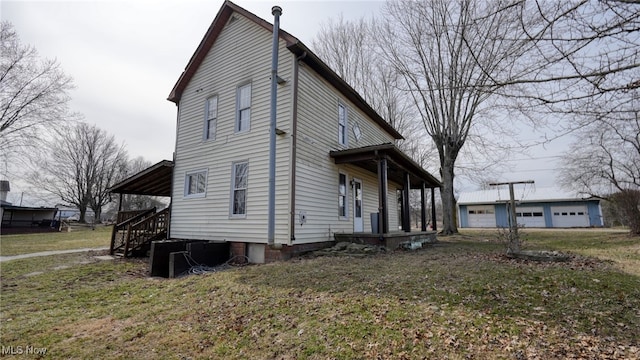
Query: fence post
[126,243]
[114,231]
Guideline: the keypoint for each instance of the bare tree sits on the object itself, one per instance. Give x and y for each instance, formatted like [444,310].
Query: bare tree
[551,61]
[582,49]
[33,93]
[607,161]
[350,49]
[450,55]
[84,161]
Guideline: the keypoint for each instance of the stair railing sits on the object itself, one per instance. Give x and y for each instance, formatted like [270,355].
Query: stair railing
[146,230]
[125,218]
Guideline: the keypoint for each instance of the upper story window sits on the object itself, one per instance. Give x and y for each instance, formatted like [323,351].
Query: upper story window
[211,116]
[342,125]
[239,185]
[243,104]
[195,183]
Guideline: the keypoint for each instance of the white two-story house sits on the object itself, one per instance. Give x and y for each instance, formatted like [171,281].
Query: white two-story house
[335,163]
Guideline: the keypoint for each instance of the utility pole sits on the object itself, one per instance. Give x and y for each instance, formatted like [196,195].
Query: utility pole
[514,239]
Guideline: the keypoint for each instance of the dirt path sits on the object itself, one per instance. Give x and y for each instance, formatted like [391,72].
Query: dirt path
[47,253]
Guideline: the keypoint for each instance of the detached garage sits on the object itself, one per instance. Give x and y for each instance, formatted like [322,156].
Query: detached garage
[535,208]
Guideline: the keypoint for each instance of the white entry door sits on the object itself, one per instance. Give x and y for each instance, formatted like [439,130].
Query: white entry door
[358,223]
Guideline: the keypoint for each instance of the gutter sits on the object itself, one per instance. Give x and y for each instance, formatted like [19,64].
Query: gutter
[173,171]
[294,145]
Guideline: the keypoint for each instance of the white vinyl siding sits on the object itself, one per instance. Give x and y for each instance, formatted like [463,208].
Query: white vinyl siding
[343,125]
[243,115]
[225,67]
[317,173]
[195,184]
[211,116]
[322,218]
[317,136]
[239,187]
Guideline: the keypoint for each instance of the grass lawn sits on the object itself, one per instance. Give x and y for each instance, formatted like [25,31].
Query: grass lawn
[459,299]
[79,237]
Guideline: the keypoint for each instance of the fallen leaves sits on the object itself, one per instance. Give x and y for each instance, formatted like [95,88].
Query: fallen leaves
[452,301]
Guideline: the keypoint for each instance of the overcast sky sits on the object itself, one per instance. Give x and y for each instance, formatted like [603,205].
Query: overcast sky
[125,57]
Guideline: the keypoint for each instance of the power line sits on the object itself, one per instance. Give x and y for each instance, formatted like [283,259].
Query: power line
[512,160]
[533,170]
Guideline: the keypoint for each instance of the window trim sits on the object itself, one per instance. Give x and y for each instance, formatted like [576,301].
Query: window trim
[188,174]
[346,195]
[343,133]
[233,190]
[205,135]
[236,128]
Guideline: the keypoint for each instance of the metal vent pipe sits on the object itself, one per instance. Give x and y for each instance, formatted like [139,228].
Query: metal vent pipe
[271,220]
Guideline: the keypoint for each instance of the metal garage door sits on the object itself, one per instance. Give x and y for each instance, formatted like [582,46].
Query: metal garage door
[530,216]
[570,216]
[481,216]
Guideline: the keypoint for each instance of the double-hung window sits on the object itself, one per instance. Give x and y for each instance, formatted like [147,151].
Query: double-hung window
[342,125]
[342,195]
[243,104]
[239,182]
[195,184]
[211,115]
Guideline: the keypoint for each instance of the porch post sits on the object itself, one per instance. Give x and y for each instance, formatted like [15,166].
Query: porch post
[423,210]
[383,216]
[406,207]
[434,227]
[120,203]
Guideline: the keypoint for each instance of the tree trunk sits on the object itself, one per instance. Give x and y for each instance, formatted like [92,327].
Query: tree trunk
[97,214]
[627,203]
[83,213]
[449,211]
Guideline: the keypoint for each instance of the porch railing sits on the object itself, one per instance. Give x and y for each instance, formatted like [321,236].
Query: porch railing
[124,219]
[141,233]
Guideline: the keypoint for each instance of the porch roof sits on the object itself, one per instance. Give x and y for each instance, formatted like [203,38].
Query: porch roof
[398,163]
[154,180]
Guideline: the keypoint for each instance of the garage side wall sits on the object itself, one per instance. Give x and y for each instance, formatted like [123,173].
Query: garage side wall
[462,214]
[502,220]
[595,214]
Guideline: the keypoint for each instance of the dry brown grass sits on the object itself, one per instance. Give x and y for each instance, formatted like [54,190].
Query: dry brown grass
[461,299]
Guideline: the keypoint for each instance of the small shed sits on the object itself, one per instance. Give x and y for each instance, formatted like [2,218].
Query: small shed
[544,207]
[22,219]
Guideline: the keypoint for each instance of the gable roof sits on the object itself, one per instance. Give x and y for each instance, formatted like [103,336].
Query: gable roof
[529,194]
[293,44]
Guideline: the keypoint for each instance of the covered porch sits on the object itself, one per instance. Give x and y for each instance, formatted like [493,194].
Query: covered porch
[390,164]
[134,230]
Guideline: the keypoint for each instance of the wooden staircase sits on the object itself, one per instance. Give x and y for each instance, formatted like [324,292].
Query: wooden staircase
[135,230]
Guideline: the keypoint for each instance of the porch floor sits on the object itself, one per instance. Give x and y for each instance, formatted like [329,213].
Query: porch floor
[391,241]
